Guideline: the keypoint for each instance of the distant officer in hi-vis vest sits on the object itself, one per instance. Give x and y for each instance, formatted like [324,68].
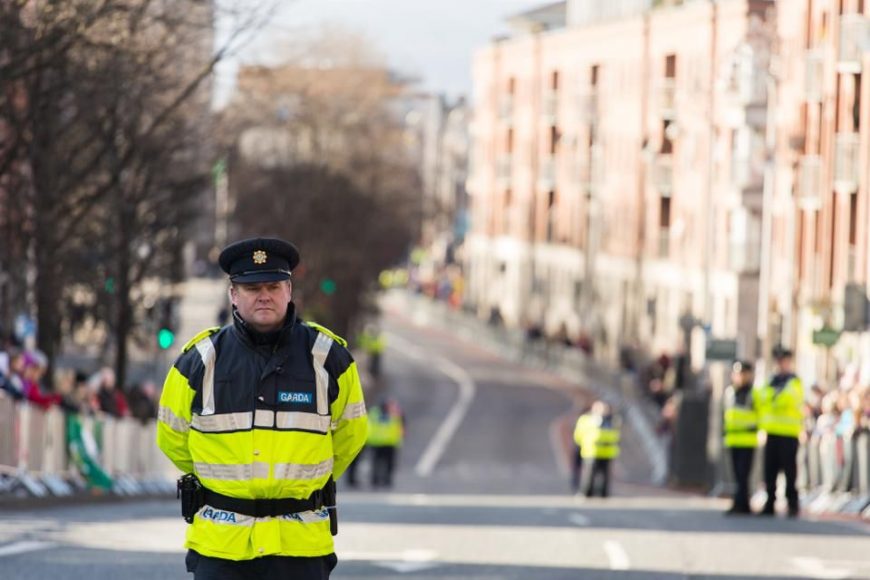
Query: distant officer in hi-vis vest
[597,435]
[740,427]
[780,405]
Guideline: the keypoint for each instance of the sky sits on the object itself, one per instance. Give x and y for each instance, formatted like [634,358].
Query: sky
[433,40]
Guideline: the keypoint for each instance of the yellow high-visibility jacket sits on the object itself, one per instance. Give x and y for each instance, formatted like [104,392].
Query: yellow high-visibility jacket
[780,405]
[385,430]
[597,437]
[740,418]
[257,421]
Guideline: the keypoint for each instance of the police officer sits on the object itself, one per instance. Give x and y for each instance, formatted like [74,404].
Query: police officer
[386,433]
[780,404]
[597,435]
[740,425]
[373,344]
[264,413]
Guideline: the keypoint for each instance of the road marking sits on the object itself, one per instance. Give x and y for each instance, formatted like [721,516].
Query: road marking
[414,560]
[579,519]
[467,389]
[616,555]
[23,547]
[818,568]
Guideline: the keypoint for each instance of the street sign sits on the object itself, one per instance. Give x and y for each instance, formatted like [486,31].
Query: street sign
[855,308]
[721,349]
[826,337]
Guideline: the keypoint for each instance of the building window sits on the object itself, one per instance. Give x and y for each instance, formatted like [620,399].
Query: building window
[551,215]
[555,136]
[667,144]
[670,66]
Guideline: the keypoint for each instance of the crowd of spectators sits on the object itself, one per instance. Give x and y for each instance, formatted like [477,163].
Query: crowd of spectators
[840,410]
[22,378]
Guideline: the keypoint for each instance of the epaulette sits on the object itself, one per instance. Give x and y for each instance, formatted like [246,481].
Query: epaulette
[327,332]
[204,334]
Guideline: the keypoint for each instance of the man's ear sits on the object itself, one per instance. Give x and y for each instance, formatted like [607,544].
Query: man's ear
[231,294]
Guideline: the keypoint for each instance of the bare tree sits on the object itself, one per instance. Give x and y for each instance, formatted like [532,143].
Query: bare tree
[321,156]
[103,115]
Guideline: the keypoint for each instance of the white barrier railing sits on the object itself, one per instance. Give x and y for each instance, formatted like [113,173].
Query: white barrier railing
[36,443]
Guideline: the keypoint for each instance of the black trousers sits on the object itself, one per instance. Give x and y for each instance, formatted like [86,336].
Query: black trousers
[741,461]
[265,568]
[351,470]
[780,454]
[597,469]
[383,464]
[577,470]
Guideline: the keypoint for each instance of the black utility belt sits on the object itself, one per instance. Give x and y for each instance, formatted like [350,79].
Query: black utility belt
[193,496]
[262,508]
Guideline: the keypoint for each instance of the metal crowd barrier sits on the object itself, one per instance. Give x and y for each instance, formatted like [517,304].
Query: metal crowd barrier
[36,452]
[833,472]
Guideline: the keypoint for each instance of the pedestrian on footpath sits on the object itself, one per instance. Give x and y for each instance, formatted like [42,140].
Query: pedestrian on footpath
[597,435]
[740,427]
[263,415]
[780,403]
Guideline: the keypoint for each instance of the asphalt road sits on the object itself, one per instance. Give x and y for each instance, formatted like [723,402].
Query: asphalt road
[481,493]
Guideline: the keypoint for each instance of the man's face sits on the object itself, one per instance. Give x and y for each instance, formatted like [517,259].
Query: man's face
[263,305]
[785,364]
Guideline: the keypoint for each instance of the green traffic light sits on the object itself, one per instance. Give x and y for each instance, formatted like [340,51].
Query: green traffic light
[165,338]
[328,286]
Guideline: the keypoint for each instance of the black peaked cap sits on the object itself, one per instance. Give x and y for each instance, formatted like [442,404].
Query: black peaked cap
[259,260]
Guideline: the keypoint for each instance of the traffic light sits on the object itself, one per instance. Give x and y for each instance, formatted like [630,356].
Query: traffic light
[165,338]
[328,286]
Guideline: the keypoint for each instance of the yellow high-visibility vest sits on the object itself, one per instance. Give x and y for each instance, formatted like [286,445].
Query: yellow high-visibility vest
[740,421]
[384,430]
[595,440]
[780,409]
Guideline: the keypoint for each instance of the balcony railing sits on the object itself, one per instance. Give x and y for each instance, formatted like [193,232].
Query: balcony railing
[814,75]
[853,40]
[506,108]
[550,107]
[667,98]
[503,169]
[587,107]
[547,174]
[846,161]
[809,185]
[664,248]
[663,175]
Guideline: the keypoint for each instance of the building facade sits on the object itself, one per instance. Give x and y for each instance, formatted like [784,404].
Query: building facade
[819,217]
[618,171]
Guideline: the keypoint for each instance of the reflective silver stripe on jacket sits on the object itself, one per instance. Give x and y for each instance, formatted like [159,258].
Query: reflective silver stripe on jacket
[264,418]
[171,420]
[318,354]
[354,411]
[307,421]
[222,422]
[207,353]
[237,472]
[302,470]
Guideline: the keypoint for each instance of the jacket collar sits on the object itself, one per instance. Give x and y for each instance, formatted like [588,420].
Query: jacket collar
[255,339]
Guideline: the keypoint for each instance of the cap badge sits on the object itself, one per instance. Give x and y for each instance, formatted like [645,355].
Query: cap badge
[259,257]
